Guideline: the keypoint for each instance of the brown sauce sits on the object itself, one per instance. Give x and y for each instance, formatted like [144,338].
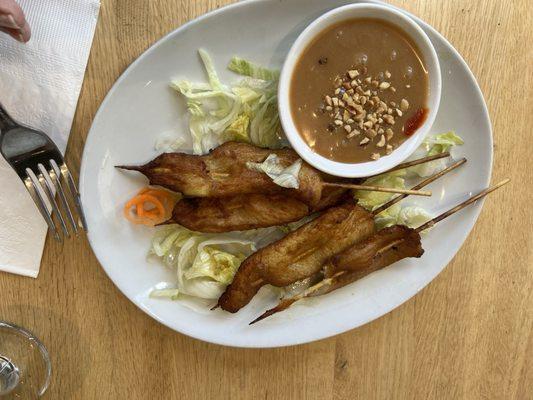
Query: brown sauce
[359,91]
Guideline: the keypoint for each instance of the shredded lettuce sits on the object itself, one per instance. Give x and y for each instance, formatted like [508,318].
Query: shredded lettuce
[440,143]
[387,217]
[246,111]
[372,200]
[204,264]
[413,216]
[172,294]
[215,264]
[283,176]
[410,216]
[434,144]
[238,130]
[289,176]
[247,68]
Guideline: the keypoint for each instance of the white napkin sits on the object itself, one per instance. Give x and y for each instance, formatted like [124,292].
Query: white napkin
[40,84]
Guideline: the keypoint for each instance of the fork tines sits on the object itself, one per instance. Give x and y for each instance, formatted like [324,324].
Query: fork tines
[43,184]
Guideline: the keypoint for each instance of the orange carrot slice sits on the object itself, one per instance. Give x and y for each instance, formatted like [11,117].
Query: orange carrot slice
[150,207]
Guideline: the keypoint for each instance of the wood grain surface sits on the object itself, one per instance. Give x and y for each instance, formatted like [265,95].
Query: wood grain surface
[468,335]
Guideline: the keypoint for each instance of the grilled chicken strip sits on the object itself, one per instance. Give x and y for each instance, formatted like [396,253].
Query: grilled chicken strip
[237,213]
[223,173]
[298,255]
[376,252]
[332,196]
[243,212]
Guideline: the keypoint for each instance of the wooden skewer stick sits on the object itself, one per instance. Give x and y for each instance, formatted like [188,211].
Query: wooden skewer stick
[286,303]
[378,189]
[425,182]
[404,165]
[417,162]
[459,207]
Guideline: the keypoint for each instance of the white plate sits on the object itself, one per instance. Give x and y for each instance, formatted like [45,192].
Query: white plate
[140,106]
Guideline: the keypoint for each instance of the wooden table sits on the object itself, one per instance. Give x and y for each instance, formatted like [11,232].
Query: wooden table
[468,335]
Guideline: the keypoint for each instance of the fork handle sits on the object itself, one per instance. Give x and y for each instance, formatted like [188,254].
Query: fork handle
[6,121]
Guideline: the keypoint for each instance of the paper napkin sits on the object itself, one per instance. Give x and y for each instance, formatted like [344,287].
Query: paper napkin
[40,84]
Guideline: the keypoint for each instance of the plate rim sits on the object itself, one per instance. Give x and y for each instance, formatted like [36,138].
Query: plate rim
[321,336]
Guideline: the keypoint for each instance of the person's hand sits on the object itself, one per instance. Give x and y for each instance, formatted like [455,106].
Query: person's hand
[13,22]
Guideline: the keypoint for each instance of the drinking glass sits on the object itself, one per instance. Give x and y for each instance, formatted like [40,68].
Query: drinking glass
[25,366]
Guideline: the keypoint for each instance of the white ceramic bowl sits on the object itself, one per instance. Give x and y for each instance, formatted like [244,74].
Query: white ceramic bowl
[333,17]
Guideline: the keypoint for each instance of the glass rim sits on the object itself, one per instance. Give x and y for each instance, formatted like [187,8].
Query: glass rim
[44,352]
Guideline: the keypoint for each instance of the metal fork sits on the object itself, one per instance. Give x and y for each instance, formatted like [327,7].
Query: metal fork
[40,165]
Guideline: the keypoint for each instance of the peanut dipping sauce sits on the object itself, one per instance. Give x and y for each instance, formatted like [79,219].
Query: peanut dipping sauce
[359,90]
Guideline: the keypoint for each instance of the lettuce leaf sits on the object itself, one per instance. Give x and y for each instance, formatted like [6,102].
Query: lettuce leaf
[372,200]
[215,264]
[411,216]
[289,176]
[283,176]
[246,111]
[434,144]
[172,294]
[238,130]
[387,217]
[440,143]
[248,68]
[204,264]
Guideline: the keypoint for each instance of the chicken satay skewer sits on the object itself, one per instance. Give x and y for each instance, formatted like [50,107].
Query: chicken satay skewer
[324,283]
[302,253]
[330,281]
[286,303]
[224,172]
[244,212]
